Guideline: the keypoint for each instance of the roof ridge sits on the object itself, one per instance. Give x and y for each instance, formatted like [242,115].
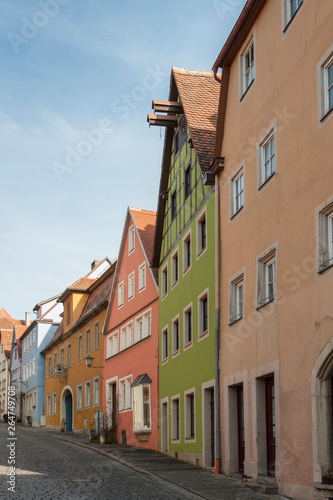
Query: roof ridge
[196,72]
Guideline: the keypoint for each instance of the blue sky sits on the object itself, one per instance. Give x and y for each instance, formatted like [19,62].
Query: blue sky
[77,79]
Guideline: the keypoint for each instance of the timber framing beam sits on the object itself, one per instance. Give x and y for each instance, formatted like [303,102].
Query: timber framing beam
[162,120]
[172,107]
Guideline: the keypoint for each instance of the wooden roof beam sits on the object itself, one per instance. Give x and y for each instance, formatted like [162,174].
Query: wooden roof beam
[162,120]
[168,107]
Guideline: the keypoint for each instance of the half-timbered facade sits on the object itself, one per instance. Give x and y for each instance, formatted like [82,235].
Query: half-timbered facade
[184,252]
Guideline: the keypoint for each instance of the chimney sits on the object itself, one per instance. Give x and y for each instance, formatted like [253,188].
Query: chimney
[27,318]
[95,264]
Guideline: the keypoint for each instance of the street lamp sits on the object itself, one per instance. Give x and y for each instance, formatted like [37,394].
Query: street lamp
[89,361]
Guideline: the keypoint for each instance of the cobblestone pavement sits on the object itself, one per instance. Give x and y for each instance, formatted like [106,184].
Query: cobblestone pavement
[51,469]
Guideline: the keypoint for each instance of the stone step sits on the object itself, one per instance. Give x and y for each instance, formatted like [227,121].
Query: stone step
[266,489]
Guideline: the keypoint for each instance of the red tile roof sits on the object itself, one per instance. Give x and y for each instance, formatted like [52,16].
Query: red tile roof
[97,298]
[82,284]
[199,94]
[145,221]
[6,338]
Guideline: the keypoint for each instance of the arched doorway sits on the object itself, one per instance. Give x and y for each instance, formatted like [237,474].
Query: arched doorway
[69,411]
[66,409]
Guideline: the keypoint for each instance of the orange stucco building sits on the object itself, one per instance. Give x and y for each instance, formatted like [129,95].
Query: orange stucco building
[274,192]
[74,391]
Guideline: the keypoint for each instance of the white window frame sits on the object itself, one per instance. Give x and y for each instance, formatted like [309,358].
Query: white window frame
[187,343]
[54,403]
[34,336]
[142,277]
[201,249]
[112,346]
[48,405]
[131,285]
[287,15]
[138,400]
[324,111]
[164,281]
[96,335]
[87,342]
[165,345]
[175,350]
[79,397]
[69,355]
[324,222]
[145,320]
[174,437]
[263,142]
[125,393]
[203,333]
[126,335]
[131,240]
[187,265]
[62,356]
[236,297]
[188,415]
[33,367]
[96,393]
[264,264]
[175,268]
[79,347]
[49,366]
[121,294]
[237,180]
[87,390]
[244,69]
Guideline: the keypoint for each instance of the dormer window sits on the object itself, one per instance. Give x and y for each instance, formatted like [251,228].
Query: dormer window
[68,313]
[131,240]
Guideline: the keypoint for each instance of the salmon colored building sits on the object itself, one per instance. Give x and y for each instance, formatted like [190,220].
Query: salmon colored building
[131,337]
[74,391]
[274,192]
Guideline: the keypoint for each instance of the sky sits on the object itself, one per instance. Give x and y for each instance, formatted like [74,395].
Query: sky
[77,80]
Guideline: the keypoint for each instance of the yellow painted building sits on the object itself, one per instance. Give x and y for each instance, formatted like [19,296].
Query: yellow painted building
[73,391]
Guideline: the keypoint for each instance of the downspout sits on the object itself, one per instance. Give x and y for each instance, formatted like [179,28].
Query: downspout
[217,328]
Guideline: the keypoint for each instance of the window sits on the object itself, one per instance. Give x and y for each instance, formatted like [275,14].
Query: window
[96,336]
[175,336]
[54,405]
[266,278]
[30,339]
[131,240]
[164,281]
[189,414]
[87,394]
[142,276]
[79,397]
[187,252]
[237,192]
[203,313]
[174,268]
[55,359]
[69,355]
[48,405]
[62,357]
[175,418]
[247,66]
[29,369]
[236,300]
[96,391]
[289,9]
[112,344]
[49,366]
[120,294]
[131,286]
[173,204]
[187,181]
[125,394]
[87,341]
[165,346]
[326,237]
[79,347]
[34,336]
[141,404]
[68,313]
[33,367]
[15,353]
[326,82]
[24,373]
[201,233]
[126,336]
[177,142]
[142,326]
[267,158]
[188,326]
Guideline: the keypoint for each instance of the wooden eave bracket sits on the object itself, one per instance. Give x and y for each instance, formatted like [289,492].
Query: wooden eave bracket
[217,165]
[172,107]
[162,120]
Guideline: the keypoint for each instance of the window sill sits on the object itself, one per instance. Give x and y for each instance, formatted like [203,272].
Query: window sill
[246,91]
[185,271]
[188,345]
[234,321]
[201,252]
[164,361]
[329,266]
[330,111]
[260,306]
[291,19]
[174,284]
[236,213]
[202,335]
[266,181]
[175,354]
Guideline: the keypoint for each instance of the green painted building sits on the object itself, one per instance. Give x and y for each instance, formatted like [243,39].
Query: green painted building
[184,253]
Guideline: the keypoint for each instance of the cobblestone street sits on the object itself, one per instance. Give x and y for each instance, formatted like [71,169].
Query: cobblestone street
[50,469]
